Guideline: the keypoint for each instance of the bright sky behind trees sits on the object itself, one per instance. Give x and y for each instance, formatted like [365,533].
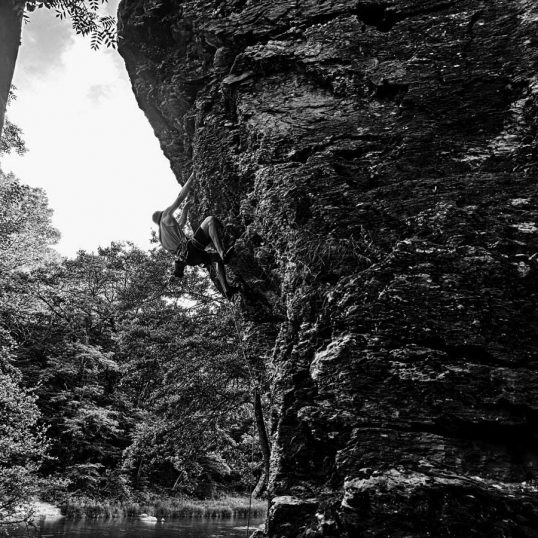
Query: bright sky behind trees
[90,146]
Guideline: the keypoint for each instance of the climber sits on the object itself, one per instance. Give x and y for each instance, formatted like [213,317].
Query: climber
[192,251]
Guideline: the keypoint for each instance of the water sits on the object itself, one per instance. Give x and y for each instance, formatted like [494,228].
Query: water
[134,528]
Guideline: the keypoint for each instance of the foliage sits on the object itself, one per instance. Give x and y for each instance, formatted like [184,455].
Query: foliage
[165,507]
[22,444]
[26,233]
[11,139]
[68,351]
[139,386]
[183,369]
[85,17]
[25,237]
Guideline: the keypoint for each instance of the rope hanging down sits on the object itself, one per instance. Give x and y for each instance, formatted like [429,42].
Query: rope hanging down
[251,379]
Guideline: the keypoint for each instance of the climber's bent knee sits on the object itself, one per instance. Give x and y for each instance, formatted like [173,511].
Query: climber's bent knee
[211,223]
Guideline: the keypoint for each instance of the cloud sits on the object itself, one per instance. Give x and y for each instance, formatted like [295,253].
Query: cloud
[98,92]
[44,38]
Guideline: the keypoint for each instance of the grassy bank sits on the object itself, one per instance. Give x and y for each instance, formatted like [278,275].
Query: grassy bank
[227,507]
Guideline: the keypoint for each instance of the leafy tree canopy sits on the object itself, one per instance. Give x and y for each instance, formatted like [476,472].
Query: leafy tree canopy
[22,441]
[26,232]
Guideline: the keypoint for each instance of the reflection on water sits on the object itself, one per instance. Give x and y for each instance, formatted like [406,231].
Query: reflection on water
[134,528]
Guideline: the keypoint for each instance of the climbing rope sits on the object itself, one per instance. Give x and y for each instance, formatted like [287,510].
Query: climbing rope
[241,346]
[252,488]
[250,382]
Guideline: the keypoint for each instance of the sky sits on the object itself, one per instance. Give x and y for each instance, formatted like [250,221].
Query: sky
[90,146]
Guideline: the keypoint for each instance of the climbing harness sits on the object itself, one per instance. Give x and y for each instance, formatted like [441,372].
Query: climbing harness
[182,252]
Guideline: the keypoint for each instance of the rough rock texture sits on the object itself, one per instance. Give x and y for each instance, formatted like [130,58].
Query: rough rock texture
[376,162]
[10,36]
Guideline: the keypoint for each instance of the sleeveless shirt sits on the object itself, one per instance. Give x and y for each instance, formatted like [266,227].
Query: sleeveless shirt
[171,236]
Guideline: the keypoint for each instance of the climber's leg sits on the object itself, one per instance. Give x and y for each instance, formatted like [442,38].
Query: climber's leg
[213,228]
[228,290]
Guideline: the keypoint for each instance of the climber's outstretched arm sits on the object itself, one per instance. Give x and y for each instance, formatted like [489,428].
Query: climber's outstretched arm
[184,214]
[182,195]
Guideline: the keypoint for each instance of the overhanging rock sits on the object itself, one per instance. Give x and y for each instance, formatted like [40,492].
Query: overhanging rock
[376,163]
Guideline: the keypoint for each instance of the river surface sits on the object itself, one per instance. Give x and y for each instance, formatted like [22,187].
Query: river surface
[134,528]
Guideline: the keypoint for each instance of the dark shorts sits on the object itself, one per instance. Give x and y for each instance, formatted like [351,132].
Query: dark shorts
[196,254]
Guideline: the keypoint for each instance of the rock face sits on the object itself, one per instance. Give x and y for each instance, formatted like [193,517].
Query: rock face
[376,163]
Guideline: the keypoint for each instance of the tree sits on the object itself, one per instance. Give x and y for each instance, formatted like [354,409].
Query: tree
[22,441]
[68,319]
[11,139]
[67,349]
[26,235]
[26,238]
[26,232]
[183,371]
[122,360]
[85,19]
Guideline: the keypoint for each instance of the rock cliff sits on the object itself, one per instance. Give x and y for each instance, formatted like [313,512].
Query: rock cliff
[376,164]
